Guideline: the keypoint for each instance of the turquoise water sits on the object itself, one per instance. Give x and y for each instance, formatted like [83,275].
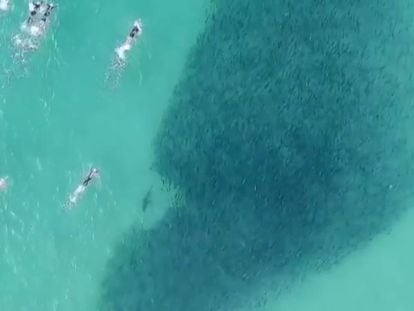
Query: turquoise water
[377,278]
[58,117]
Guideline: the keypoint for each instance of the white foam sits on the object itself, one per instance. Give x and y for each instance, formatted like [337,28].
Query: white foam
[76,195]
[81,189]
[36,30]
[3,184]
[129,41]
[121,51]
[24,43]
[5,5]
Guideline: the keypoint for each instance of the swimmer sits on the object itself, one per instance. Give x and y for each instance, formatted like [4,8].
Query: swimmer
[3,184]
[135,33]
[34,8]
[136,30]
[49,9]
[37,26]
[80,190]
[5,5]
[38,30]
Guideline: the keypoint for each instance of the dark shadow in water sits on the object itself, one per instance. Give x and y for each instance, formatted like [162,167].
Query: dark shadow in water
[287,137]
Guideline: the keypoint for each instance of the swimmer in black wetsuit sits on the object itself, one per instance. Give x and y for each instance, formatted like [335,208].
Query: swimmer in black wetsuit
[34,8]
[93,173]
[49,10]
[136,30]
[127,45]
[5,5]
[80,190]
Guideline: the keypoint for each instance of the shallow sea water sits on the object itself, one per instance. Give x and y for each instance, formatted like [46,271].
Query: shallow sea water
[58,117]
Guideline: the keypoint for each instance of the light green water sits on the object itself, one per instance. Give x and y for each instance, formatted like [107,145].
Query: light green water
[377,278]
[60,118]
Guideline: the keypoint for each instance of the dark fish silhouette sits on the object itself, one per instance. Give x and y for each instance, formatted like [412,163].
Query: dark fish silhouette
[146,201]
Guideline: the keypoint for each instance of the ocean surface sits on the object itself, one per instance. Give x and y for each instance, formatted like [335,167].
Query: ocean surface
[59,117]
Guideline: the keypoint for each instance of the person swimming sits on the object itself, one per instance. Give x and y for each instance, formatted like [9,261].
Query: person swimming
[36,23]
[5,5]
[92,174]
[34,8]
[3,184]
[49,9]
[136,30]
[80,190]
[134,34]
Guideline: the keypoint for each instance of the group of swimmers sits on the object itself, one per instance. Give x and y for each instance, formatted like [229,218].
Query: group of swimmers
[32,29]
[37,22]
[35,25]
